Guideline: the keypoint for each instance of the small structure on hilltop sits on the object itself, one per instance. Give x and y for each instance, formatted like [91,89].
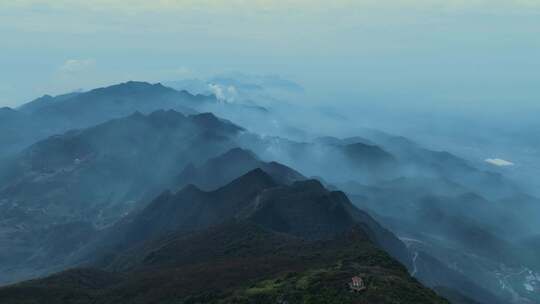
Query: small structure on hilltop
[357,284]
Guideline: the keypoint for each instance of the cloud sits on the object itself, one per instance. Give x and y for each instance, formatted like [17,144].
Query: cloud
[499,162]
[224,93]
[77,65]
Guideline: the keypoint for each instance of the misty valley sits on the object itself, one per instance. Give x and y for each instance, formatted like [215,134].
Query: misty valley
[226,191]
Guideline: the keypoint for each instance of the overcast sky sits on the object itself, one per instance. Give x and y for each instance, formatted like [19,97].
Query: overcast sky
[425,52]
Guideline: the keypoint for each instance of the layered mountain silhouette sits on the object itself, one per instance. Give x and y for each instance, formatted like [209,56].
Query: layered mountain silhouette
[413,160]
[367,156]
[50,115]
[111,102]
[232,164]
[355,161]
[84,179]
[304,209]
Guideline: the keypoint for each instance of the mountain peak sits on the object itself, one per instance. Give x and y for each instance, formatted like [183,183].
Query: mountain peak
[137,115]
[256,174]
[130,87]
[166,115]
[45,97]
[190,188]
[159,118]
[133,83]
[7,110]
[234,163]
[205,117]
[255,179]
[210,121]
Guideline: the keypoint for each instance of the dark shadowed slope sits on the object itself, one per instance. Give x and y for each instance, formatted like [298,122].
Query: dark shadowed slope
[188,210]
[236,262]
[304,209]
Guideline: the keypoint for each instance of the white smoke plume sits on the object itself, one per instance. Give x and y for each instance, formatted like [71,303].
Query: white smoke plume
[227,94]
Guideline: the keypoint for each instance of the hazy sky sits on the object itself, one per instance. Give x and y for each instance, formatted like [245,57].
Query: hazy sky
[425,52]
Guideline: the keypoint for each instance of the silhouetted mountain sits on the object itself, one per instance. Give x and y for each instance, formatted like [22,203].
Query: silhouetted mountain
[112,102]
[366,154]
[335,162]
[232,164]
[7,114]
[304,209]
[369,158]
[44,102]
[188,210]
[49,115]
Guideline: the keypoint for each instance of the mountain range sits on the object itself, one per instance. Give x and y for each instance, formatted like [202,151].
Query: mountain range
[128,194]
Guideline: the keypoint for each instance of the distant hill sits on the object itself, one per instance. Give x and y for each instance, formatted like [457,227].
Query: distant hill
[415,160]
[50,115]
[115,101]
[232,164]
[44,102]
[336,162]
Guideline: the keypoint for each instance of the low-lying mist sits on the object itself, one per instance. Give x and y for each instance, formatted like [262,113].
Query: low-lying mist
[458,183]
